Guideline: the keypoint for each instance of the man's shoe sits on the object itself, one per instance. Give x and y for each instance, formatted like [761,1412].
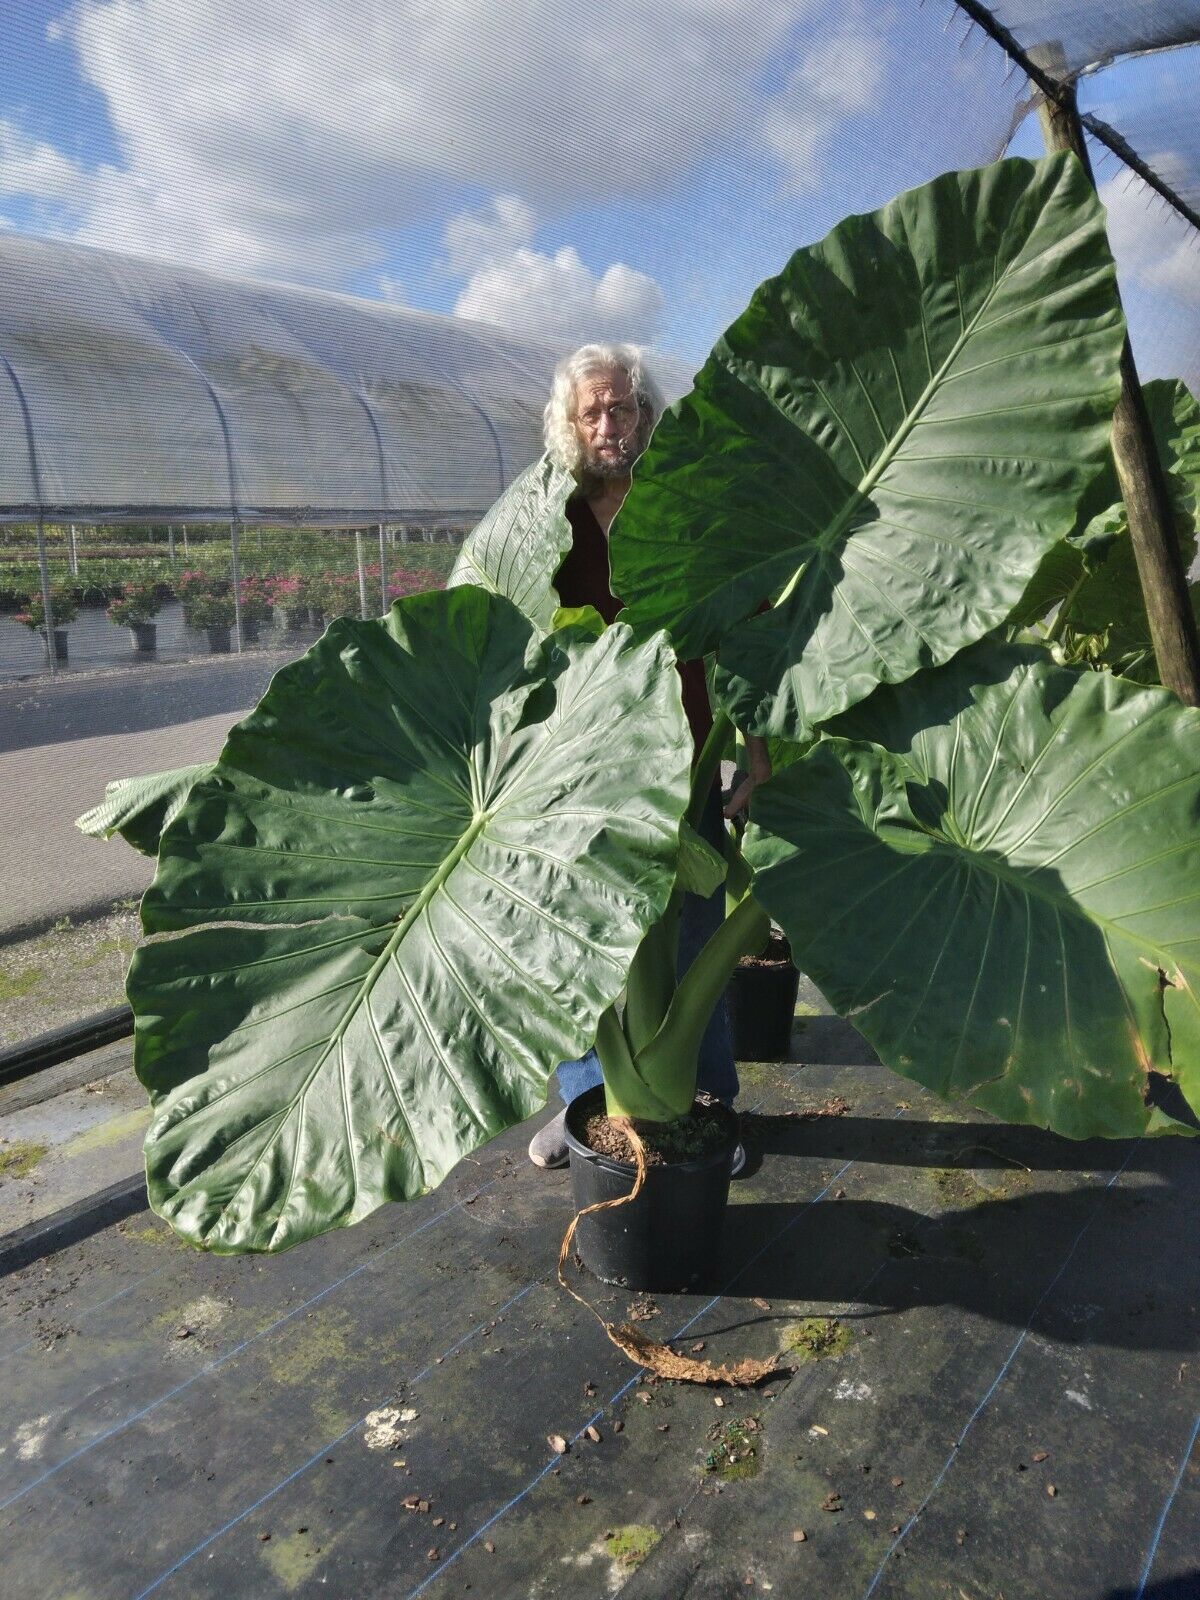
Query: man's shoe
[738,1161]
[548,1147]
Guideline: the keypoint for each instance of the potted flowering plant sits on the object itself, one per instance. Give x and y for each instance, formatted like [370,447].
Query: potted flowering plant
[257,600]
[212,613]
[286,595]
[135,609]
[448,849]
[63,607]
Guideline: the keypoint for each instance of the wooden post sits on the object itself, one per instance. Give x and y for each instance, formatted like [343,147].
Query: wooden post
[362,576]
[1139,470]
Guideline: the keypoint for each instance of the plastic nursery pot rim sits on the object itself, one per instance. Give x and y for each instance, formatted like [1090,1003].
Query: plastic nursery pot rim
[593,1100]
[778,953]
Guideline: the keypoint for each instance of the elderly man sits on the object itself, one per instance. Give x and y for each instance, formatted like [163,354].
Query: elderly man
[602,410]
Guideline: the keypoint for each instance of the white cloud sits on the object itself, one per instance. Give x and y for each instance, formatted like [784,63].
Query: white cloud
[276,139]
[32,168]
[559,298]
[474,239]
[1152,246]
[833,80]
[555,297]
[388,287]
[1158,268]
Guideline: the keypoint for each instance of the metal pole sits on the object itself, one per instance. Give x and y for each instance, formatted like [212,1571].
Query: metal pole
[383,572]
[47,607]
[362,576]
[185,543]
[171,540]
[74,554]
[237,580]
[1139,469]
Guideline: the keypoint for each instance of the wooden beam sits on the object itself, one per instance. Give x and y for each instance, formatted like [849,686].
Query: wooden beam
[1139,470]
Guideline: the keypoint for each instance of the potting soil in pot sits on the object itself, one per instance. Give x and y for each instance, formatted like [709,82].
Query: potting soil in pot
[686,1139]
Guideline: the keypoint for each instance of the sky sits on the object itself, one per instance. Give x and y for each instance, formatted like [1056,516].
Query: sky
[630,170]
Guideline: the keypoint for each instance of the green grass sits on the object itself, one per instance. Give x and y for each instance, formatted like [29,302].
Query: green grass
[12,988]
[814,1338]
[734,1451]
[18,1159]
[630,1545]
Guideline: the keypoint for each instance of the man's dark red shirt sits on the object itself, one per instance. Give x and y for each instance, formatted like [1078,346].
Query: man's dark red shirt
[584,579]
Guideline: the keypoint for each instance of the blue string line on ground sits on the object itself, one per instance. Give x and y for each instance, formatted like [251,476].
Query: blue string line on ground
[220,1361]
[1162,1521]
[619,1394]
[996,1381]
[324,1450]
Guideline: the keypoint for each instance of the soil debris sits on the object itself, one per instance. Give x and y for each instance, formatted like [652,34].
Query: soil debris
[798,1536]
[642,1310]
[594,1434]
[832,1501]
[557,1443]
[686,1139]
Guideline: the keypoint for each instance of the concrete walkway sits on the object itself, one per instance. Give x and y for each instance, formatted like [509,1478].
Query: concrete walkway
[61,743]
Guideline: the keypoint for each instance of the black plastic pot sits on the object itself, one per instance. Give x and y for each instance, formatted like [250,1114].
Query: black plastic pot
[144,636]
[60,644]
[669,1237]
[762,1006]
[218,641]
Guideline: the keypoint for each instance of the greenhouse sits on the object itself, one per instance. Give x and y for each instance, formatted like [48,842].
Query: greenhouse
[600,724]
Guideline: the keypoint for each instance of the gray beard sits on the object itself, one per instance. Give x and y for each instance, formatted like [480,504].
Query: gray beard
[599,470]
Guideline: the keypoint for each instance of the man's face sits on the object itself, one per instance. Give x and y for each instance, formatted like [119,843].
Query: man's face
[611,429]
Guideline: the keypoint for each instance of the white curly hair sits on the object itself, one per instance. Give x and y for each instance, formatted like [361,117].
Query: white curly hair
[562,441]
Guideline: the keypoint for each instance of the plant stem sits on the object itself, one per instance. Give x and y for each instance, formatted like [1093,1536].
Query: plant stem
[708,764]
[1054,632]
[626,1093]
[651,981]
[669,1060]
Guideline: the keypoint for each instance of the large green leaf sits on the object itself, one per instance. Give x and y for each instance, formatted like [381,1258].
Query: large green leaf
[885,444]
[139,809]
[519,545]
[427,888]
[1095,572]
[1006,897]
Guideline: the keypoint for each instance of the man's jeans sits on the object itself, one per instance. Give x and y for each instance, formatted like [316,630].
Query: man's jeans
[699,918]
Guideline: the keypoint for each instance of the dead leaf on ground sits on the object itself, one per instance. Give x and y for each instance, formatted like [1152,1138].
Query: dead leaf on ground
[594,1434]
[798,1536]
[665,1363]
[557,1443]
[763,1305]
[832,1501]
[1040,1455]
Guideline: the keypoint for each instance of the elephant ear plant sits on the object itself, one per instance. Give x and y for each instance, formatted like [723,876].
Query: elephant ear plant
[448,849]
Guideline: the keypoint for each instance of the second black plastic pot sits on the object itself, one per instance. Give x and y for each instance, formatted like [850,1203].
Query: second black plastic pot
[668,1238]
[762,1006]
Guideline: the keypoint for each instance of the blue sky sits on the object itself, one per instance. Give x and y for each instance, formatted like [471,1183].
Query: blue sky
[630,171]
